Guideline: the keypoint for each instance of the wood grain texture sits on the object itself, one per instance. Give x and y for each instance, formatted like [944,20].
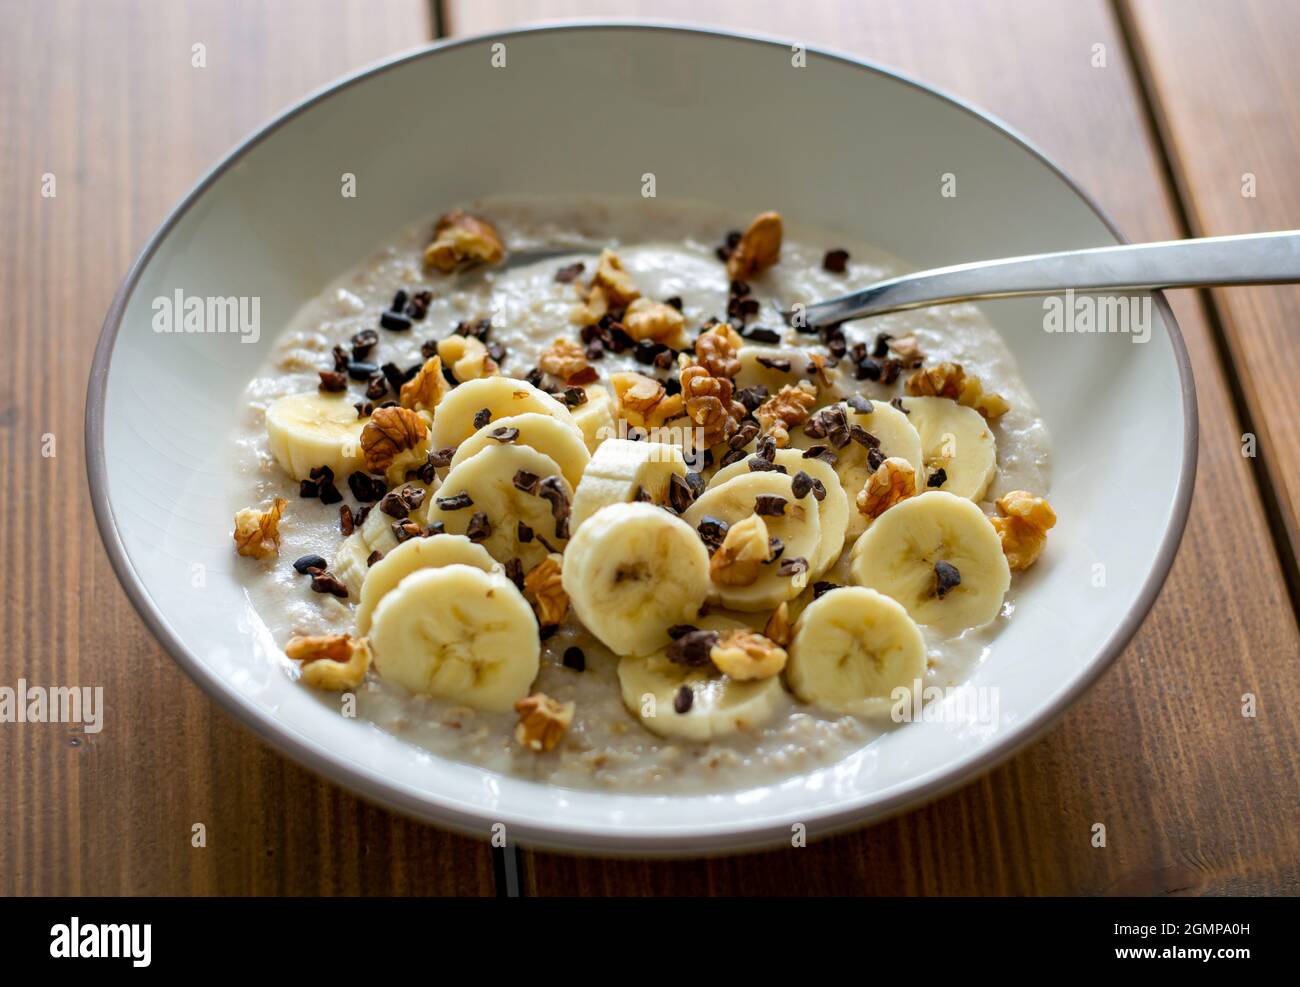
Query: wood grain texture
[103,96]
[1223,80]
[1195,798]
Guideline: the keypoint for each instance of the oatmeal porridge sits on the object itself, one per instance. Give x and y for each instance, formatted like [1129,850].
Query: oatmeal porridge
[569,491]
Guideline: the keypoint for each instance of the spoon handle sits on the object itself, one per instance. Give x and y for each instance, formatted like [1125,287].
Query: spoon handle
[1253,258]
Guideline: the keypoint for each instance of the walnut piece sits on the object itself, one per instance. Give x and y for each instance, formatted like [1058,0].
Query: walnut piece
[423,391]
[334,662]
[949,380]
[974,396]
[542,721]
[778,626]
[716,349]
[461,239]
[563,358]
[943,380]
[790,406]
[614,280]
[743,655]
[1023,527]
[739,559]
[543,586]
[642,400]
[646,319]
[893,480]
[759,247]
[389,433]
[593,306]
[907,349]
[708,403]
[467,357]
[257,533]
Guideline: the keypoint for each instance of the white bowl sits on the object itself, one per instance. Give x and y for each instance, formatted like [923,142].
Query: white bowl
[589,109]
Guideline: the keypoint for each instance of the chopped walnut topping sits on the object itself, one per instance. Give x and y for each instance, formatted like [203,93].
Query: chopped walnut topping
[944,380]
[715,351]
[334,662]
[646,319]
[818,366]
[788,407]
[389,433]
[257,533]
[423,391]
[709,404]
[615,281]
[893,480]
[744,655]
[543,586]
[989,405]
[949,380]
[759,247]
[467,357]
[563,358]
[542,721]
[592,308]
[642,400]
[1023,527]
[778,626]
[740,558]
[461,239]
[907,349]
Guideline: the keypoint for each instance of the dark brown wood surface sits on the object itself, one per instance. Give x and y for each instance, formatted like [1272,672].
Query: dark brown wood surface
[1195,798]
[1224,83]
[103,96]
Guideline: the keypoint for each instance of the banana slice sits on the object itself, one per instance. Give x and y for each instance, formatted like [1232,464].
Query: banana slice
[488,479]
[799,529]
[957,439]
[351,561]
[897,438]
[851,648]
[904,550]
[304,431]
[562,442]
[620,469]
[596,416]
[410,556]
[633,571]
[719,705]
[458,633]
[833,509]
[502,397]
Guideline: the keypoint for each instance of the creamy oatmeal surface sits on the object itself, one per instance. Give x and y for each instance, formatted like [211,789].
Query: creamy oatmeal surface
[670,253]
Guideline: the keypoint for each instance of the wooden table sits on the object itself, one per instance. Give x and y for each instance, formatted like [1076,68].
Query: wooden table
[1193,97]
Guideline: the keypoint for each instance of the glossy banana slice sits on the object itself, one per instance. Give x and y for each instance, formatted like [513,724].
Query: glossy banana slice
[914,550]
[491,481]
[545,433]
[898,439]
[798,528]
[457,633]
[411,556]
[596,417]
[631,572]
[956,439]
[313,429]
[621,470]
[834,509]
[501,397]
[719,706]
[851,648]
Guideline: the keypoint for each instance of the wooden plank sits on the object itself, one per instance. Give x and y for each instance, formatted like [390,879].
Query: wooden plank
[103,96]
[1195,798]
[1223,80]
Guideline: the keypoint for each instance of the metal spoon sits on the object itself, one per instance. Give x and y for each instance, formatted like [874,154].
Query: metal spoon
[1253,258]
